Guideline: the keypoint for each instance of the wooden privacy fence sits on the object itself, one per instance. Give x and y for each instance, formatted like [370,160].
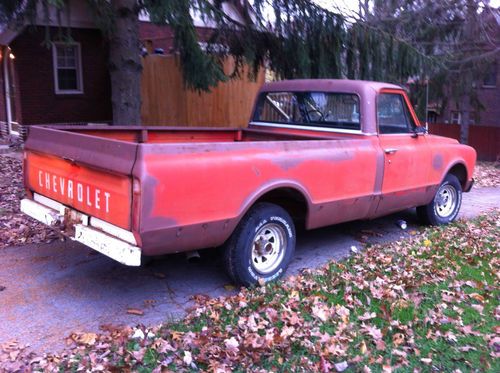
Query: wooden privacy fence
[166,101]
[485,139]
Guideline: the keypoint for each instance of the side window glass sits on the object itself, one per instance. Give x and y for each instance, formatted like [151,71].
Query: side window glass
[279,107]
[393,116]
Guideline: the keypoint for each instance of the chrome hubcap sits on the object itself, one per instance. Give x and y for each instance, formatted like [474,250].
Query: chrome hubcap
[268,249]
[446,201]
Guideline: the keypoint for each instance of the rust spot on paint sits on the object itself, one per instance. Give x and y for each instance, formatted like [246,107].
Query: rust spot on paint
[437,162]
[324,155]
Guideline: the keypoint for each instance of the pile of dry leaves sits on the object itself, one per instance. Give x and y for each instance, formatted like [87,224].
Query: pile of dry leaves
[427,304]
[487,174]
[16,228]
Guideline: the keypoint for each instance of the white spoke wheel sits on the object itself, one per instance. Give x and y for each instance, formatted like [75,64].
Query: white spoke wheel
[445,205]
[268,249]
[261,246]
[445,201]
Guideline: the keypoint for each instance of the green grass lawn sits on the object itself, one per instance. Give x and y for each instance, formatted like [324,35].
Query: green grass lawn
[430,303]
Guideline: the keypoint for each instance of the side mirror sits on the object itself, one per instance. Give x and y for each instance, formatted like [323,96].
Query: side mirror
[420,130]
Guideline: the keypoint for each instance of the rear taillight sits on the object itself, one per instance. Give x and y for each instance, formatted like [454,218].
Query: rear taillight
[136,186]
[136,208]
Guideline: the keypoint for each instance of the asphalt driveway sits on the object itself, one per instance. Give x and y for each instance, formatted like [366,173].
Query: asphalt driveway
[49,291]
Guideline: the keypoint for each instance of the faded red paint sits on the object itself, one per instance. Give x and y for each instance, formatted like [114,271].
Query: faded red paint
[192,186]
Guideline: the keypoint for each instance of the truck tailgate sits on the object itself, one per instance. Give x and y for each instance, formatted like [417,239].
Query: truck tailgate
[89,174]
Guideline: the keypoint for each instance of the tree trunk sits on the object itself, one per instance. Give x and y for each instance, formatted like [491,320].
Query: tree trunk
[466,76]
[125,64]
[464,119]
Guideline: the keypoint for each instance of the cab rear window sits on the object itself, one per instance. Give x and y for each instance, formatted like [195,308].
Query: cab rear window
[315,109]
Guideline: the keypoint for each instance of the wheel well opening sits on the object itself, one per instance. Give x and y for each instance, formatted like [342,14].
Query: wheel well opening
[460,172]
[291,200]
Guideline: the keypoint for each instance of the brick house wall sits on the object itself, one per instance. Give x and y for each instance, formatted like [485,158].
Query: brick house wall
[489,97]
[39,102]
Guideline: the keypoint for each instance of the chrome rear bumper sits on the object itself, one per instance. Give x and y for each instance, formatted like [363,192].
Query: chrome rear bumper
[110,240]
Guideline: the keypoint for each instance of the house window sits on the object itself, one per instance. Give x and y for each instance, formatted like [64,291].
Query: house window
[490,79]
[472,117]
[67,68]
[455,117]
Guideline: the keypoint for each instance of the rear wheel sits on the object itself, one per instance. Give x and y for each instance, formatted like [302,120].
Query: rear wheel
[445,205]
[261,247]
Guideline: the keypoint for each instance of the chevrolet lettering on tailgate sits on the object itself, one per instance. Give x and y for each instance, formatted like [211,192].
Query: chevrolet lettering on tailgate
[315,153]
[90,191]
[70,189]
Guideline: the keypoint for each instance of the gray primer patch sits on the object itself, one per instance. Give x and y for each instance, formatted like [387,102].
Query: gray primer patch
[437,162]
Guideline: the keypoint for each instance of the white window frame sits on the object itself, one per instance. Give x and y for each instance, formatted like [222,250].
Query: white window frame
[494,85]
[79,74]
[458,117]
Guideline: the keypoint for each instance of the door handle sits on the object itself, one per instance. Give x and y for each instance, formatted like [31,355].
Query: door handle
[390,150]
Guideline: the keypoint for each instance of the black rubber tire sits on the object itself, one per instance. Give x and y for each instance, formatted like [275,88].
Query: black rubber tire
[428,213]
[238,249]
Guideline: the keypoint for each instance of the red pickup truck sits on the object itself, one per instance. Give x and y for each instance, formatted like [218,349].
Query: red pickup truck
[315,153]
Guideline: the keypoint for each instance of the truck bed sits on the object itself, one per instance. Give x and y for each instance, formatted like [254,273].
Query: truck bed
[101,160]
[120,174]
[166,135]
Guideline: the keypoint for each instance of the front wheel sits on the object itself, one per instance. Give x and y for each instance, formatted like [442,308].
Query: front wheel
[445,205]
[261,247]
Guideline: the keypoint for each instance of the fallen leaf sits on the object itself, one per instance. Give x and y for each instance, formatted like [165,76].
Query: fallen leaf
[477,297]
[150,302]
[467,329]
[188,358]
[367,316]
[478,308]
[380,344]
[135,311]
[386,369]
[138,334]
[340,367]
[398,339]
[373,331]
[324,365]
[88,339]
[320,311]
[232,345]
[362,347]
[466,348]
